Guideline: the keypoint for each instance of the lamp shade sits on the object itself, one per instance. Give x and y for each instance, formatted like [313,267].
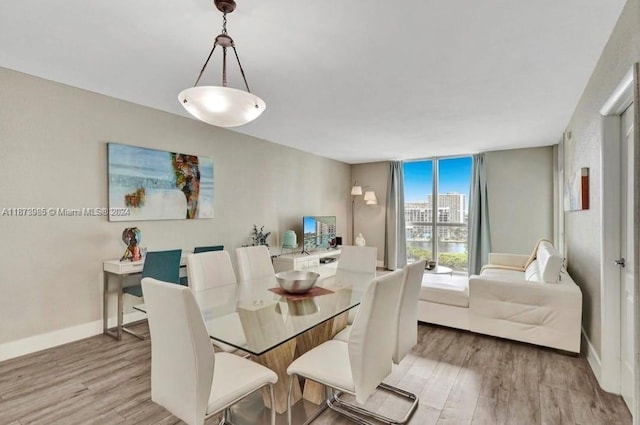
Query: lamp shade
[221,106]
[370,197]
[356,190]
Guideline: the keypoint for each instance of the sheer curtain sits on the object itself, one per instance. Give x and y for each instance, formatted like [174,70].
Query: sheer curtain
[395,246]
[479,235]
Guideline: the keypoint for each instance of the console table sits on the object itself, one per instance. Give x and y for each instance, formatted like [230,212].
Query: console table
[120,270]
[299,261]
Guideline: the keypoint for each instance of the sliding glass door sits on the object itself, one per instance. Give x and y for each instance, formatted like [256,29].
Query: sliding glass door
[436,210]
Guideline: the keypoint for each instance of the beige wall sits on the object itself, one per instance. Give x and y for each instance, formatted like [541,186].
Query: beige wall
[582,228]
[370,219]
[53,154]
[520,186]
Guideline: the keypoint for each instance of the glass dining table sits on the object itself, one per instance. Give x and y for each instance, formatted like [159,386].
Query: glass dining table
[274,327]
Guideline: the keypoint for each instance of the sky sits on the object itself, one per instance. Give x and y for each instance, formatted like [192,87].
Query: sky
[454,176]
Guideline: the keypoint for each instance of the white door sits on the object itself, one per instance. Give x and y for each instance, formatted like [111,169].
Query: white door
[627,330]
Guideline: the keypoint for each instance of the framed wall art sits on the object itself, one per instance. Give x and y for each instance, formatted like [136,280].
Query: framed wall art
[152,184]
[576,196]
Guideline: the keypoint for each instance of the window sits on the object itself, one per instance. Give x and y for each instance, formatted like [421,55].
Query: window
[440,185]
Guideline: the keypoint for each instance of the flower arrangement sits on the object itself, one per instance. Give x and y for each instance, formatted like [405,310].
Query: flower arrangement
[258,236]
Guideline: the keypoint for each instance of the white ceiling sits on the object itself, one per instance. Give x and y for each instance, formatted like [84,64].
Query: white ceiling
[357,81]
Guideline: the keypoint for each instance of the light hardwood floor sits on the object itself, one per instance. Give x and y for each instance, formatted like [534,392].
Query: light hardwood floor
[461,378]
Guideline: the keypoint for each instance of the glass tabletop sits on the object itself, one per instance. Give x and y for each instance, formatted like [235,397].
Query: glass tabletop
[251,317]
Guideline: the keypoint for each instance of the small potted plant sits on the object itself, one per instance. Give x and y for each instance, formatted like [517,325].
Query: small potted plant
[258,237]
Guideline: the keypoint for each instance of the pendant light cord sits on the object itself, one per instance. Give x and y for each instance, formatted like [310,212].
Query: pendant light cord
[224,60]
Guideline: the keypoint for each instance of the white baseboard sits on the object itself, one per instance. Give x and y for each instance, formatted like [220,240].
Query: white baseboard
[52,339]
[593,359]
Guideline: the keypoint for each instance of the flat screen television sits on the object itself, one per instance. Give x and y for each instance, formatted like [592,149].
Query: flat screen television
[319,232]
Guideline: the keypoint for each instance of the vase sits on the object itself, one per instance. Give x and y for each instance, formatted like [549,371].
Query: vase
[360,240]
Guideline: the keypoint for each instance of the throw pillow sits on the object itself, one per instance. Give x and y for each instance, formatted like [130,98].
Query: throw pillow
[549,262]
[532,272]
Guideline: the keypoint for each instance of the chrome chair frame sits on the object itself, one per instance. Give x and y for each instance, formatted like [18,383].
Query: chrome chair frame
[345,405]
[350,410]
[226,409]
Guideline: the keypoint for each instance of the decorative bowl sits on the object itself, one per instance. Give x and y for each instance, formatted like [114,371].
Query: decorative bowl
[297,281]
[430,265]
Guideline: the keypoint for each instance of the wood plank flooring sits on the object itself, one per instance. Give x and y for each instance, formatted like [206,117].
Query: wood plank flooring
[461,378]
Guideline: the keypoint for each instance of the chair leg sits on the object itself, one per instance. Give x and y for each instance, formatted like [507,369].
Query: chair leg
[291,378]
[319,410]
[130,332]
[273,406]
[344,405]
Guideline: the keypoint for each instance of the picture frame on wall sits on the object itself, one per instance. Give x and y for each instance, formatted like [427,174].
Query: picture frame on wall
[576,196]
[152,184]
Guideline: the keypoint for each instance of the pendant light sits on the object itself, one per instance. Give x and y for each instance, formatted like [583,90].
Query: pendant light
[221,105]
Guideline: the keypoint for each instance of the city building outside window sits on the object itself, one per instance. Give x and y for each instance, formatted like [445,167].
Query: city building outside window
[440,185]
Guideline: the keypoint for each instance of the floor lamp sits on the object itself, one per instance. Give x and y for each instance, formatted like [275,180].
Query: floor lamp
[369,198]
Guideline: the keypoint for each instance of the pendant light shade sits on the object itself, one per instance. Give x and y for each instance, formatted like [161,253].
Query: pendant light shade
[221,105]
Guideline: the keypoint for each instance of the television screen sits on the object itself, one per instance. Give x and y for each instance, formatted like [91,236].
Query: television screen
[319,232]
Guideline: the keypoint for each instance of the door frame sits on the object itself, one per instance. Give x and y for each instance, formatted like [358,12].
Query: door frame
[624,95]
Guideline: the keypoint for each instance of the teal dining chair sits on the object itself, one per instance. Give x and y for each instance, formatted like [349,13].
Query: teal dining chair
[161,265]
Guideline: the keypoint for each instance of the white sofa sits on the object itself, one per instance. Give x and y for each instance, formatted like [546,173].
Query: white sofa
[528,298]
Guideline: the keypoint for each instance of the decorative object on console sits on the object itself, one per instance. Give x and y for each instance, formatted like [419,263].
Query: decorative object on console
[258,237]
[131,237]
[150,184]
[360,240]
[369,198]
[221,105]
[289,239]
[289,242]
[430,265]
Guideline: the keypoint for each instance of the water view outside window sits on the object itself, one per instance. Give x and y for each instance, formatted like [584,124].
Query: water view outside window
[450,224]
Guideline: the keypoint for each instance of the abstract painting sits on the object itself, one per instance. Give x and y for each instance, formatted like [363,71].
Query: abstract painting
[576,196]
[158,185]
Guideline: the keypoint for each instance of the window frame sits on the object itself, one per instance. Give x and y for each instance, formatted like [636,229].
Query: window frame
[435,165]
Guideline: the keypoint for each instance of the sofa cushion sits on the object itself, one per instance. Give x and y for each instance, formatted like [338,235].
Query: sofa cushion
[549,262]
[502,274]
[445,289]
[532,273]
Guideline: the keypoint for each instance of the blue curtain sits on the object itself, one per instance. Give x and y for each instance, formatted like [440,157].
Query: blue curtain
[479,232]
[395,245]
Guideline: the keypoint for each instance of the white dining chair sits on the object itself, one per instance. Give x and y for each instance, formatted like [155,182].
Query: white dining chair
[357,259]
[187,377]
[361,259]
[359,366]
[407,325]
[211,269]
[405,337]
[254,262]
